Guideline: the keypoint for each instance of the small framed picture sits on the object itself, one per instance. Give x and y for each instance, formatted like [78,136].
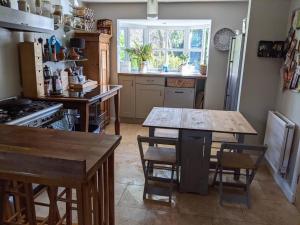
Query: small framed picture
[265,49]
[278,49]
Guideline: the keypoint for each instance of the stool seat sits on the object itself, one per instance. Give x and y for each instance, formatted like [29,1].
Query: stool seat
[236,160]
[161,155]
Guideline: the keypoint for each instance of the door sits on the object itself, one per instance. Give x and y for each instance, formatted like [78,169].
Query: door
[147,97]
[234,73]
[127,96]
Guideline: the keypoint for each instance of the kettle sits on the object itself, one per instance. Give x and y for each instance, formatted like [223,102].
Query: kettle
[56,84]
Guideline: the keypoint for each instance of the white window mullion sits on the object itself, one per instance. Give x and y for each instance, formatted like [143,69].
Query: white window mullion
[186,41]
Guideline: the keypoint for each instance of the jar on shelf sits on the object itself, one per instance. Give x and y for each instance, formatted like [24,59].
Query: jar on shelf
[57,14]
[46,8]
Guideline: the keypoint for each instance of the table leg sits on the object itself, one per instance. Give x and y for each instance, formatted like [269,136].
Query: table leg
[2,197]
[117,112]
[80,207]
[111,184]
[84,117]
[69,206]
[151,134]
[54,216]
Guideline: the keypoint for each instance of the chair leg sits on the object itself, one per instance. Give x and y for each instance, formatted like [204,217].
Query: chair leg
[171,184]
[248,187]
[177,174]
[221,185]
[147,164]
[215,176]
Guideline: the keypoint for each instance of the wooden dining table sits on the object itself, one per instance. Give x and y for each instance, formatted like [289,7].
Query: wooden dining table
[195,134]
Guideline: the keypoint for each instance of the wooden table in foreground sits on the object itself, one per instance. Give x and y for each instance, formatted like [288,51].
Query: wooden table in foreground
[82,161]
[82,101]
[196,127]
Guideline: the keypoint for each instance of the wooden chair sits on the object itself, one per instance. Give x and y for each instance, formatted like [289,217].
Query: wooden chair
[217,140]
[233,157]
[162,158]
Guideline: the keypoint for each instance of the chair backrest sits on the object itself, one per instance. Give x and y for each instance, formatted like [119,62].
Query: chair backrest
[155,140]
[251,149]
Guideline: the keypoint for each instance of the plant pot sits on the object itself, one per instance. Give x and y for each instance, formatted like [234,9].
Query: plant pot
[203,69]
[144,67]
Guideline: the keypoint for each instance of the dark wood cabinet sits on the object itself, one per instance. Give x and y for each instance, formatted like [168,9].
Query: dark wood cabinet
[97,66]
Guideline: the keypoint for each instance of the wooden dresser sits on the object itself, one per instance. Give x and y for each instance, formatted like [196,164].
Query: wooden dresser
[98,63]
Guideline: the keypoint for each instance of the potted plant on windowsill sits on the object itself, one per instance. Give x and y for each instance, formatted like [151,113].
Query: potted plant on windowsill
[184,58]
[142,54]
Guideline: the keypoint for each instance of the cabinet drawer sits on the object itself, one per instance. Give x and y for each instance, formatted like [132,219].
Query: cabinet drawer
[150,80]
[180,82]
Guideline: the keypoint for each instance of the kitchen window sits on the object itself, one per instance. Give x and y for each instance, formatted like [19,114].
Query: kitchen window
[171,43]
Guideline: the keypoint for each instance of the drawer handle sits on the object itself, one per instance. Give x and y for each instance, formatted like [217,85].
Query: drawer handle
[179,92]
[150,80]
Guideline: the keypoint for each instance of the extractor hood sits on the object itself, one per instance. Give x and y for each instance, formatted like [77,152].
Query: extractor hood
[23,21]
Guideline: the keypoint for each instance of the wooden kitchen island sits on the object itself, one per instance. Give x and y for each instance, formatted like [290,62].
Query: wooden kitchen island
[83,100]
[69,160]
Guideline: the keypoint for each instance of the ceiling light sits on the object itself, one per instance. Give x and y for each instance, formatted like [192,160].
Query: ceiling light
[152,9]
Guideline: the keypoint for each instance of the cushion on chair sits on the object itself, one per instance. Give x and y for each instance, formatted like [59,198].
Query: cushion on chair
[237,160]
[161,155]
[166,133]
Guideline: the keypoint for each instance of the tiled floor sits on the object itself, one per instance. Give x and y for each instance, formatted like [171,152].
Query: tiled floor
[269,206]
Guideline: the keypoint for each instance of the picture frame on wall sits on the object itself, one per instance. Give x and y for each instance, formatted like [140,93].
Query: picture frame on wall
[265,48]
[271,49]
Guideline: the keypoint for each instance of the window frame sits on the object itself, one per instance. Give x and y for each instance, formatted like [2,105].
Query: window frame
[146,33]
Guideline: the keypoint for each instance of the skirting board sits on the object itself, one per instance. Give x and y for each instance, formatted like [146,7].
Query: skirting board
[284,185]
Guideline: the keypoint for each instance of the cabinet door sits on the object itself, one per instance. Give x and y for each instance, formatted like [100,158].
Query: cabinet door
[91,67]
[104,63]
[147,97]
[127,96]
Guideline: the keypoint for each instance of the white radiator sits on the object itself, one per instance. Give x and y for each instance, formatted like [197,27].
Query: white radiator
[279,136]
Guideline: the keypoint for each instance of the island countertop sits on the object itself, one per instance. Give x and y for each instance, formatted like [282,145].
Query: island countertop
[165,74]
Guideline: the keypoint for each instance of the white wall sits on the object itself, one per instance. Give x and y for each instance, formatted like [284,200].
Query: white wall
[288,103]
[267,21]
[222,14]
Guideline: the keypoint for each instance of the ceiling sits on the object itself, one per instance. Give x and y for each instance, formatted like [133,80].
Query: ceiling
[141,1]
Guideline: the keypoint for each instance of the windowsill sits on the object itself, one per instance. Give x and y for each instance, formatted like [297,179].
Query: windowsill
[165,74]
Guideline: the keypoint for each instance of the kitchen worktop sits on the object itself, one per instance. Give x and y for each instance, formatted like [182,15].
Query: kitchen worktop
[89,95]
[165,74]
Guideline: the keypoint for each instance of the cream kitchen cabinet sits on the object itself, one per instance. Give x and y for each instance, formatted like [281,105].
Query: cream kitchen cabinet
[147,97]
[127,97]
[142,92]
